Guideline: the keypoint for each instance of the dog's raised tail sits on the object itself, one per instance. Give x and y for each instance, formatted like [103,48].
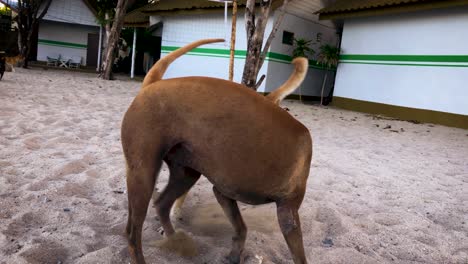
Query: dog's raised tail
[300,71]
[159,68]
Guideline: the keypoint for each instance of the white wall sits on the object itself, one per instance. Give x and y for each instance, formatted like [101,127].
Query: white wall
[181,30]
[278,72]
[66,33]
[438,32]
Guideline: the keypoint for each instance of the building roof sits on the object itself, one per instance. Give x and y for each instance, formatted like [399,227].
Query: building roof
[351,5]
[72,12]
[174,5]
[182,7]
[358,8]
[140,16]
[92,5]
[136,18]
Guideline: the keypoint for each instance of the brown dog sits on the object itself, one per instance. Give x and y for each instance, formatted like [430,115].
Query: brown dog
[12,62]
[250,149]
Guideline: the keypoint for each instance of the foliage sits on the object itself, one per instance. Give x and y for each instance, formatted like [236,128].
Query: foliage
[30,13]
[328,56]
[5,11]
[104,7]
[301,48]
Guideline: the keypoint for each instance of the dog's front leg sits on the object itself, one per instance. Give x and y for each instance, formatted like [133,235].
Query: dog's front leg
[140,184]
[231,210]
[288,218]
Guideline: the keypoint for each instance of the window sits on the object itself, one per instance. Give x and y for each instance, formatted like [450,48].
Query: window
[288,38]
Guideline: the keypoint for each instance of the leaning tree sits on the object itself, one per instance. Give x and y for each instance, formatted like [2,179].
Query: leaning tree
[113,37]
[256,18]
[111,15]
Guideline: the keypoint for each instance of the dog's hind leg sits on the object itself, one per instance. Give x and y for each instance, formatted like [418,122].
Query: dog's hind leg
[288,218]
[140,185]
[231,210]
[181,179]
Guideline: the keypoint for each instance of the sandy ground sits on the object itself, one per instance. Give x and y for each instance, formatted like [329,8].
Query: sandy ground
[375,194]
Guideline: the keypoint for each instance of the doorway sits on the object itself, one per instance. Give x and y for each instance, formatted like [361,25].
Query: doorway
[92,50]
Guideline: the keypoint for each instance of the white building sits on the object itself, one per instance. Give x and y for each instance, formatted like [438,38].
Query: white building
[179,22]
[407,59]
[69,29]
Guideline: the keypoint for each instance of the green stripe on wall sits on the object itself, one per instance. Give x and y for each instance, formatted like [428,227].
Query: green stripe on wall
[240,54]
[407,60]
[208,51]
[62,44]
[407,64]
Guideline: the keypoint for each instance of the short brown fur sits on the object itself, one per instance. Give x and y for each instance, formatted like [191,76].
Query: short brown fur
[250,149]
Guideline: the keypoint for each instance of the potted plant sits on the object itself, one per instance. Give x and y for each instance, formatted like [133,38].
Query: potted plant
[301,48]
[329,57]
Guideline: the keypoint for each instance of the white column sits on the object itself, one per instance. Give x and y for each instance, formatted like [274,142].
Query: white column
[132,72]
[98,67]
[225,23]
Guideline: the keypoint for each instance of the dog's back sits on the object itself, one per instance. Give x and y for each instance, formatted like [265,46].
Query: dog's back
[207,115]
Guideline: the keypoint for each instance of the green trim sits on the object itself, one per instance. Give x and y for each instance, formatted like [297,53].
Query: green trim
[240,54]
[62,44]
[413,58]
[408,64]
[407,60]
[225,52]
[403,113]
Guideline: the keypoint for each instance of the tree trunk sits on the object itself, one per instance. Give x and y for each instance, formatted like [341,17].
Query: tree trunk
[233,40]
[255,31]
[323,87]
[114,38]
[21,40]
[255,28]
[27,45]
[108,27]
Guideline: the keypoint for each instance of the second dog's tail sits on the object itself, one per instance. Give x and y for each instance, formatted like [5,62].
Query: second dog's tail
[296,78]
[157,71]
